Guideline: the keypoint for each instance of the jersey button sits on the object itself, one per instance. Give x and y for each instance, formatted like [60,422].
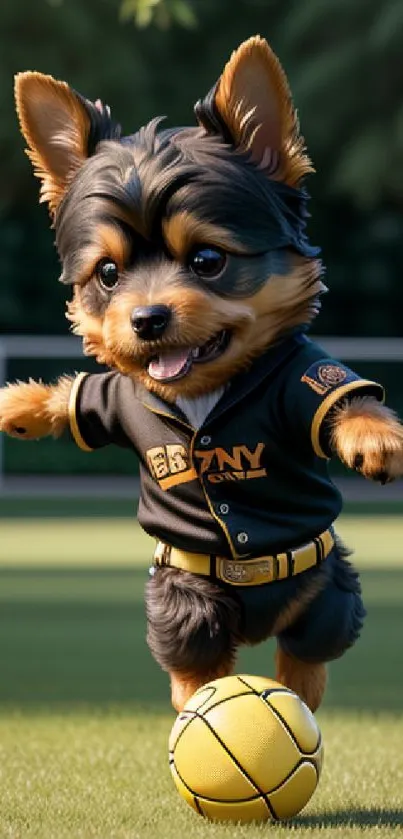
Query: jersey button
[242,537]
[223,509]
[205,440]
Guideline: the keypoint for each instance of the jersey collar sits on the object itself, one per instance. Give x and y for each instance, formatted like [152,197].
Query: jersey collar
[261,369]
[241,385]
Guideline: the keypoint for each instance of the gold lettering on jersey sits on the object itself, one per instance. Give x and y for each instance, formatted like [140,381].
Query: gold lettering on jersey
[253,457]
[239,464]
[225,459]
[157,460]
[178,458]
[316,386]
[219,477]
[206,459]
[170,465]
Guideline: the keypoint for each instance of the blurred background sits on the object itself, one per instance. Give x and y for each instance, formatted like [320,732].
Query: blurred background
[71,623]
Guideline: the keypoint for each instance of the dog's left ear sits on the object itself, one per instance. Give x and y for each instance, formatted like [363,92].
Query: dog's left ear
[61,128]
[251,106]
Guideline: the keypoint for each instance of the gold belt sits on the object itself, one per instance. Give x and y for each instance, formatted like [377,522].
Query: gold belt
[248,572]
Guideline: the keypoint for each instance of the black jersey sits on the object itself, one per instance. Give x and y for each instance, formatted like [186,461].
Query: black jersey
[253,479]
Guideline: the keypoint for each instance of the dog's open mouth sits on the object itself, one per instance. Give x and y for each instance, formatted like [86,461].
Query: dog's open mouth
[176,363]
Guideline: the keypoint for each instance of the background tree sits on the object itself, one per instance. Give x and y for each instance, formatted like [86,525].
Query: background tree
[349,84]
[348,68]
[344,65]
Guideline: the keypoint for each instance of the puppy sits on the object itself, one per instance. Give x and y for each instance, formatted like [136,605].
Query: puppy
[194,282]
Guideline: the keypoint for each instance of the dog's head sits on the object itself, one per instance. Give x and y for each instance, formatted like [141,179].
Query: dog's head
[186,248]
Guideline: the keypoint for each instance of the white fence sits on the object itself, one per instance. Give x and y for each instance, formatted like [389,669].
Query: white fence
[54,346]
[60,347]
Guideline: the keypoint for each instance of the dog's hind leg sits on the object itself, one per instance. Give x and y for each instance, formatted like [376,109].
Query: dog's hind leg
[193,629]
[307,679]
[328,627]
[184,685]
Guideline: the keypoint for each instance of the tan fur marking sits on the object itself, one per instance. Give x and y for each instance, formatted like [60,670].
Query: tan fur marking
[113,243]
[286,301]
[89,327]
[307,680]
[55,126]
[121,213]
[293,610]
[184,685]
[254,99]
[109,241]
[36,409]
[365,427]
[58,404]
[183,230]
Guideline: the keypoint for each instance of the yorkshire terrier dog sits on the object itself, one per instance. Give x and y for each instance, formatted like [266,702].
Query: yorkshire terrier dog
[194,283]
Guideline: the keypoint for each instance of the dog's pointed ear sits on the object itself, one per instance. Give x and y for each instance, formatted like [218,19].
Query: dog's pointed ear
[61,129]
[251,106]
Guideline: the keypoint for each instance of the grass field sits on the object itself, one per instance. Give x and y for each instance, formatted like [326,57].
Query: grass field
[85,714]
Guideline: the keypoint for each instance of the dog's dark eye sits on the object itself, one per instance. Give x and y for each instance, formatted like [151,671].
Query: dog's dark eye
[207,262]
[107,274]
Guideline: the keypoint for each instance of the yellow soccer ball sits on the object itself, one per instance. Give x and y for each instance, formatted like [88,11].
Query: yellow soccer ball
[245,748]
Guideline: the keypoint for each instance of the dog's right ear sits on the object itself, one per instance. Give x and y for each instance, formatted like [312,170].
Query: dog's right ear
[62,130]
[251,107]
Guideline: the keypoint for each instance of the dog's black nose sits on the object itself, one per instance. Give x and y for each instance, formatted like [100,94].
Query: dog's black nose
[150,322]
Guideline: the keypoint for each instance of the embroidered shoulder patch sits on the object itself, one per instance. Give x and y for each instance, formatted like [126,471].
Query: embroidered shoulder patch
[324,377]
[331,375]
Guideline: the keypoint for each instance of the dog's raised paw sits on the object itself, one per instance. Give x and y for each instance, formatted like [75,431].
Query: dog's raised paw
[22,412]
[380,454]
[368,437]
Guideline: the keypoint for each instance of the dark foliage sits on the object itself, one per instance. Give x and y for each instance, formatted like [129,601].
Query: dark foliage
[344,65]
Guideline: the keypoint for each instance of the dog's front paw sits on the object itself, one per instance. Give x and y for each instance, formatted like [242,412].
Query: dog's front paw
[368,438]
[379,460]
[23,410]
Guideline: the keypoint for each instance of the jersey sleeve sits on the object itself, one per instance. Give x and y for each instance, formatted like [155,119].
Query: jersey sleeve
[94,411]
[313,390]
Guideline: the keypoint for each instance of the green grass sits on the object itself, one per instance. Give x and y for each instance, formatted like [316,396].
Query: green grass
[85,714]
[106,775]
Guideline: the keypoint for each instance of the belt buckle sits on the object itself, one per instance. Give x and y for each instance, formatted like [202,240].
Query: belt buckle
[248,573]
[162,554]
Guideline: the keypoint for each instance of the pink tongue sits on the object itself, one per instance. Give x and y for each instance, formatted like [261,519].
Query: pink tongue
[169,366]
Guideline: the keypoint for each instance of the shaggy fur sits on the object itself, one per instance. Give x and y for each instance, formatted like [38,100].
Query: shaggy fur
[155,195]
[146,203]
[30,410]
[197,611]
[368,437]
[192,619]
